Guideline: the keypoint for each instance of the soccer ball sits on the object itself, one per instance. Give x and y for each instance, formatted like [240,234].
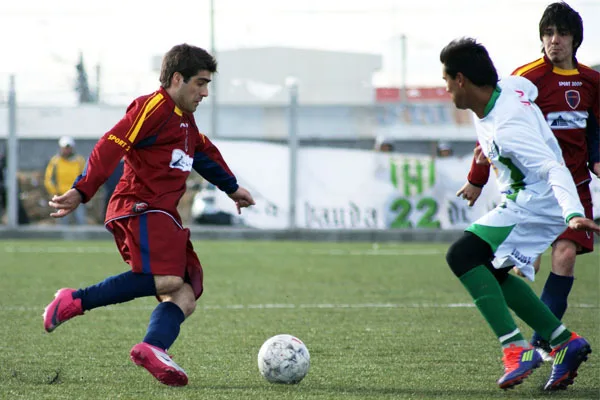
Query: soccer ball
[283,359]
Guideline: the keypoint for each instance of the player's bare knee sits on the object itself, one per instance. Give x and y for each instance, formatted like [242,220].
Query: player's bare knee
[564,250]
[187,300]
[564,253]
[184,298]
[190,307]
[167,284]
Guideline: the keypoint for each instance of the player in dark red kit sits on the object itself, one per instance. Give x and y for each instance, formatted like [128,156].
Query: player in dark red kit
[160,143]
[569,99]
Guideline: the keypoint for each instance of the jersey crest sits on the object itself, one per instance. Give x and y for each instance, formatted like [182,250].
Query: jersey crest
[573,98]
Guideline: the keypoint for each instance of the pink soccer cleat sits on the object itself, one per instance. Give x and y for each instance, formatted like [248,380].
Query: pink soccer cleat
[159,364]
[61,309]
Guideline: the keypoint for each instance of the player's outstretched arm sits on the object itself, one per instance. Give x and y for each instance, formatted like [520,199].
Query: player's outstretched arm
[242,198]
[65,204]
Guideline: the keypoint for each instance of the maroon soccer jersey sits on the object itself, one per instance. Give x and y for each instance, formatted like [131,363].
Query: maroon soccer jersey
[161,144]
[569,100]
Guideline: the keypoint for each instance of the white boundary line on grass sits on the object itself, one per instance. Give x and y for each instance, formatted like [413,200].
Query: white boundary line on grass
[289,306]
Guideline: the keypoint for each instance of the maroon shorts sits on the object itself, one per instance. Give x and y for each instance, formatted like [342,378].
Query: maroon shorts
[584,240]
[153,243]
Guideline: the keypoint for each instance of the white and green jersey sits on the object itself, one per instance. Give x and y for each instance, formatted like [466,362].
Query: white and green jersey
[524,152]
[539,192]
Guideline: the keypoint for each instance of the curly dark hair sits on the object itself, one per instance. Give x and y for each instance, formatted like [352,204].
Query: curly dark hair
[188,61]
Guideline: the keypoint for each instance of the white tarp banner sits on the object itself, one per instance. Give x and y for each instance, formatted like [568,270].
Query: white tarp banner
[353,189]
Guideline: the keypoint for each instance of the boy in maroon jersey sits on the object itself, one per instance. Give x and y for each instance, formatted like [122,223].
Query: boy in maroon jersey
[569,99]
[160,143]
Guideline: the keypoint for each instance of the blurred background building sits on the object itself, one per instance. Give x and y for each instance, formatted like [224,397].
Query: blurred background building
[338,106]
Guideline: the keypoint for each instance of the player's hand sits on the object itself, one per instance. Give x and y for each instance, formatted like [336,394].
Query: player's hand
[536,267]
[596,169]
[242,199]
[470,193]
[518,272]
[584,224]
[65,204]
[480,158]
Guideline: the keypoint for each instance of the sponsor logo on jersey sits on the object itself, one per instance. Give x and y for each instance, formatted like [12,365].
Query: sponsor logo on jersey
[567,119]
[118,141]
[573,98]
[180,160]
[570,83]
[559,122]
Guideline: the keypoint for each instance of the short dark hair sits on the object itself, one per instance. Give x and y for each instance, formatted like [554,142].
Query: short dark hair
[470,58]
[188,61]
[566,20]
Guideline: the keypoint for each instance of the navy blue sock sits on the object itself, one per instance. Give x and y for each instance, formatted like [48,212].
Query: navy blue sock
[116,289]
[555,294]
[164,325]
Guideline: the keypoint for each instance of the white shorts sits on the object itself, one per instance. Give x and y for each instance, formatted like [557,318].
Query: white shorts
[517,235]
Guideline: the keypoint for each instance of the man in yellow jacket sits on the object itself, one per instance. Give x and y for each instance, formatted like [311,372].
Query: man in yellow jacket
[61,172]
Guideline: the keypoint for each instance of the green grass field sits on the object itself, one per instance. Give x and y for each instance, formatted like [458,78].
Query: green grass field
[380,322]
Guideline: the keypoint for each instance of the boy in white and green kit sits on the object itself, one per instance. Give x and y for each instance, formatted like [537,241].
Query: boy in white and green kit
[540,201]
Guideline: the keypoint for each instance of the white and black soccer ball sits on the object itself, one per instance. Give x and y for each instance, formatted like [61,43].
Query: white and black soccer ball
[283,359]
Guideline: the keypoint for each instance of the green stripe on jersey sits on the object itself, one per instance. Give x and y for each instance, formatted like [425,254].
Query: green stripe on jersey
[516,175]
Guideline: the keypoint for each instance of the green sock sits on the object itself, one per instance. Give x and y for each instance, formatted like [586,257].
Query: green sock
[528,306]
[487,295]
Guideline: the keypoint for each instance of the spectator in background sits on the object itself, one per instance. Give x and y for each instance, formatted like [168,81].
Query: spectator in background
[111,183]
[384,165]
[386,147]
[444,149]
[61,172]
[383,145]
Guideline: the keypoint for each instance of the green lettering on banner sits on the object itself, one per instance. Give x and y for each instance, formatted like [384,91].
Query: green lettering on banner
[432,173]
[430,206]
[413,180]
[404,208]
[412,175]
[393,173]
